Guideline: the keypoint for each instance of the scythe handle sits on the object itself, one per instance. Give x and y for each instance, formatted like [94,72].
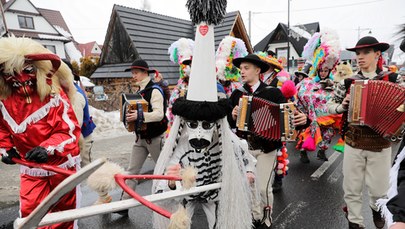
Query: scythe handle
[120,179]
[51,168]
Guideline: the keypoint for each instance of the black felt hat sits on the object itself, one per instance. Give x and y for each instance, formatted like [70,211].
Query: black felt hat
[254,59]
[140,64]
[370,42]
[300,73]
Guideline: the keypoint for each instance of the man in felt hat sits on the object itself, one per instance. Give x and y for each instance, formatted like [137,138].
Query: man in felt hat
[367,156]
[147,141]
[265,151]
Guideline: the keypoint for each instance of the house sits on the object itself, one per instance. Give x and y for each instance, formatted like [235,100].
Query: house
[46,26]
[90,49]
[134,34]
[276,41]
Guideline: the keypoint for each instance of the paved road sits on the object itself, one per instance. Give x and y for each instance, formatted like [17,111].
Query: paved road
[312,195]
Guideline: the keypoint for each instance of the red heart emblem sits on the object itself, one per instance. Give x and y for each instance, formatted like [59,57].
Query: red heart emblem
[203,29]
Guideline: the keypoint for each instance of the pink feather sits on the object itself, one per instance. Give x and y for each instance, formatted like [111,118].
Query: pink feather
[288,89]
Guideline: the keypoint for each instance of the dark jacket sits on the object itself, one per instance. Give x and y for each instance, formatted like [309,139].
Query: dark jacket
[269,93]
[153,129]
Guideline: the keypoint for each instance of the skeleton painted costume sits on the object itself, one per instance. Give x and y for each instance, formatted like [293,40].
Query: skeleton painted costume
[201,138]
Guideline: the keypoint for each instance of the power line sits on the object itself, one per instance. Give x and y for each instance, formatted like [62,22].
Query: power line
[320,8]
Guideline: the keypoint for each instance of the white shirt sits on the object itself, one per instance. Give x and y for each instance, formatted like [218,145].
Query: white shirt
[254,87]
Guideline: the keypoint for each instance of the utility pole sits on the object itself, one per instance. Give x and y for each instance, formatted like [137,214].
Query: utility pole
[250,25]
[359,30]
[288,38]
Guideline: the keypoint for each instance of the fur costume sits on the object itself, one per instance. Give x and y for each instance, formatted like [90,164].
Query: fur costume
[36,114]
[343,71]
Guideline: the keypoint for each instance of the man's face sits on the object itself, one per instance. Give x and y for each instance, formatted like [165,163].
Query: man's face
[138,74]
[249,72]
[367,57]
[200,133]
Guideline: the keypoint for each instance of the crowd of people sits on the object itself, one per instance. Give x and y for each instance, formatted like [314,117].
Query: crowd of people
[45,119]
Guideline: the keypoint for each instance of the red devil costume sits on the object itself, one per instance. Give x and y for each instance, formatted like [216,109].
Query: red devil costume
[37,122]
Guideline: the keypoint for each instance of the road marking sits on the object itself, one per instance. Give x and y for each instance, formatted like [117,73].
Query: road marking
[321,170]
[291,213]
[336,174]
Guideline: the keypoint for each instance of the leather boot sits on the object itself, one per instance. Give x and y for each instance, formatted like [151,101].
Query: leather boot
[355,226]
[321,155]
[379,221]
[304,157]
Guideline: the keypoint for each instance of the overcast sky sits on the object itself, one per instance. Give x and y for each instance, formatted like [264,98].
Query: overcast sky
[88,19]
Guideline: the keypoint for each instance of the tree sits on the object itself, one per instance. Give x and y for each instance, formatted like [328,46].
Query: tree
[88,65]
[76,67]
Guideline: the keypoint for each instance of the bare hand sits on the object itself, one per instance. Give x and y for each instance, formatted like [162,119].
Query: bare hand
[299,118]
[251,177]
[132,115]
[173,170]
[346,102]
[235,112]
[398,225]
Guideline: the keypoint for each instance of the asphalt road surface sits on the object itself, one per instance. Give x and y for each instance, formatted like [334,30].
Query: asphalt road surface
[311,197]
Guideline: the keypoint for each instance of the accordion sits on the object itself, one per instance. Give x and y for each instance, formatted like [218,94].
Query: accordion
[377,104]
[133,102]
[266,119]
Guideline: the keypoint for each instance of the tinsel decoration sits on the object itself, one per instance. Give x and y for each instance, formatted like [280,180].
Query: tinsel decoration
[229,49]
[211,12]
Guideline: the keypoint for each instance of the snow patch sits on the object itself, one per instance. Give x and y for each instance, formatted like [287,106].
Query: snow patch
[108,124]
[72,51]
[63,31]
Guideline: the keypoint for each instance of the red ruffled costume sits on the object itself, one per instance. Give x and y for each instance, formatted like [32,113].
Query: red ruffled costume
[27,122]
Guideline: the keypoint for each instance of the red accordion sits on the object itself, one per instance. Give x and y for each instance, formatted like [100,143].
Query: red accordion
[265,119]
[379,105]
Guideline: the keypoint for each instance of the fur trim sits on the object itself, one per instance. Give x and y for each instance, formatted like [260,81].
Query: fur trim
[180,219]
[188,176]
[393,190]
[36,172]
[102,180]
[12,56]
[209,111]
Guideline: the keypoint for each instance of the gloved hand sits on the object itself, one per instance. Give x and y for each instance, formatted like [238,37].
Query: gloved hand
[12,153]
[37,154]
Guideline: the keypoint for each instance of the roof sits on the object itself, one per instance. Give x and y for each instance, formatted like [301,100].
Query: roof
[86,48]
[43,36]
[298,39]
[55,18]
[151,35]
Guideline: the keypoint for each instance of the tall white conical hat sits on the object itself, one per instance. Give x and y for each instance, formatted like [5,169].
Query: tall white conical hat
[205,14]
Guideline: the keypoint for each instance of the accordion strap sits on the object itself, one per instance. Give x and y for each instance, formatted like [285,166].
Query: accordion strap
[363,137]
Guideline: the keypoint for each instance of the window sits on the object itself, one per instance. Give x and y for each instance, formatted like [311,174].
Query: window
[26,22]
[51,48]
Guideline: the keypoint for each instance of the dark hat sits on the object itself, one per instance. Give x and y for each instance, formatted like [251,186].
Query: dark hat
[298,73]
[187,61]
[370,42]
[140,64]
[76,76]
[254,59]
